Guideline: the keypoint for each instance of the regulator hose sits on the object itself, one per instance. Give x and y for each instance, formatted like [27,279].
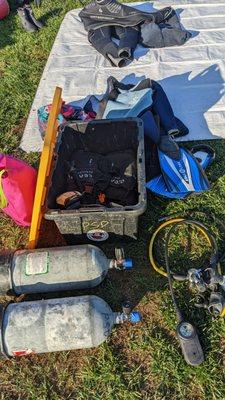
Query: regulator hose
[169,275]
[174,222]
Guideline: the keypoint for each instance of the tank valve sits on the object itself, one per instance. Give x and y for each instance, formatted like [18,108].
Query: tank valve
[127,315]
[120,261]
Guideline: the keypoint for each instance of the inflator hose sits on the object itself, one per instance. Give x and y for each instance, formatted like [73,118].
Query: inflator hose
[177,221]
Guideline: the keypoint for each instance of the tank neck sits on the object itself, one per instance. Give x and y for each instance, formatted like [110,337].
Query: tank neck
[122,264]
[119,318]
[112,264]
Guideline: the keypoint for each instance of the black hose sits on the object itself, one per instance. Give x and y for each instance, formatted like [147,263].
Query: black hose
[167,239]
[213,259]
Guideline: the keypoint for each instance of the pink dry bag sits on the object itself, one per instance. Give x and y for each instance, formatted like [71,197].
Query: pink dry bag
[4,8]
[17,189]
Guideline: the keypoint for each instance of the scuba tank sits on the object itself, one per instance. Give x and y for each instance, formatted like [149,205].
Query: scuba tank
[56,269]
[58,325]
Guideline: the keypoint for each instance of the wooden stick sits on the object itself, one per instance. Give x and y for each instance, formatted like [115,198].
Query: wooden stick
[45,169]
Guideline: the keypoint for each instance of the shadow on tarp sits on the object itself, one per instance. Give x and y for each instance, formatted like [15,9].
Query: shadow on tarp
[191,96]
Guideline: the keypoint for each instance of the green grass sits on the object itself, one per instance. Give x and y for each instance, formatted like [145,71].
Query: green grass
[137,362]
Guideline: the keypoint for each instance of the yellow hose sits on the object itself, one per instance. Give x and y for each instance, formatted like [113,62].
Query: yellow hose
[157,268]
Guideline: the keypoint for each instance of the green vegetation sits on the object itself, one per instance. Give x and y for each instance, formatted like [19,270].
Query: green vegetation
[137,362]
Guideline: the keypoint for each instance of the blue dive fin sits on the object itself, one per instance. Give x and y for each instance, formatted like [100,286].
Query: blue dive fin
[180,169]
[203,153]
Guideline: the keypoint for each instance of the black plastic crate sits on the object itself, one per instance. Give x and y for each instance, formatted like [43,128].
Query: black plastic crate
[102,223]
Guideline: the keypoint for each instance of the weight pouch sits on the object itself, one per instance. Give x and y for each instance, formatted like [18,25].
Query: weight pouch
[17,189]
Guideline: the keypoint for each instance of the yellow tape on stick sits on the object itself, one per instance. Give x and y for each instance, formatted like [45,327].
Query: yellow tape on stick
[3,199]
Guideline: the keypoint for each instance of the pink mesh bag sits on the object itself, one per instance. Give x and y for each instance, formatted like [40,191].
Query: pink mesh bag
[17,189]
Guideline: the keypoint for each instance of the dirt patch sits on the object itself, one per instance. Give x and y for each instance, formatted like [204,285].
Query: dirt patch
[62,370]
[50,235]
[19,128]
[12,236]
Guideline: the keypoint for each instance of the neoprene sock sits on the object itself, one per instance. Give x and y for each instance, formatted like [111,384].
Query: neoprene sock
[31,16]
[27,23]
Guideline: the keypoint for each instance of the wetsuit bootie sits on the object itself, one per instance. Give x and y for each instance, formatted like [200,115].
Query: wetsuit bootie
[31,16]
[27,23]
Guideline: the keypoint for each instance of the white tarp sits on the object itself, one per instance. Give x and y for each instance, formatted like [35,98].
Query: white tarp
[193,75]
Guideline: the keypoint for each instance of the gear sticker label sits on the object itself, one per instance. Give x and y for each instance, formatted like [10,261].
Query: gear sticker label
[97,235]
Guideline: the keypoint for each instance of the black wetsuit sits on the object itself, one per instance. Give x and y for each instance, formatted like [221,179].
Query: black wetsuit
[107,19]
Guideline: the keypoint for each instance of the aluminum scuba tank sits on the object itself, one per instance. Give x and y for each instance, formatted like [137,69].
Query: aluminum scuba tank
[58,325]
[56,269]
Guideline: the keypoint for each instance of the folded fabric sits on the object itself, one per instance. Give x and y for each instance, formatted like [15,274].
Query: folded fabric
[103,142]
[68,112]
[124,161]
[167,33]
[92,174]
[151,35]
[129,103]
[146,100]
[122,191]
[89,169]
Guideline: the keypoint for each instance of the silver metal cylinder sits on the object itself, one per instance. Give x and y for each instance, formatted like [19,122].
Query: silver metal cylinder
[53,269]
[55,325]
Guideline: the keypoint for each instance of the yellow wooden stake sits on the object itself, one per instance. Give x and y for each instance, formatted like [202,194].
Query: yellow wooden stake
[45,169]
